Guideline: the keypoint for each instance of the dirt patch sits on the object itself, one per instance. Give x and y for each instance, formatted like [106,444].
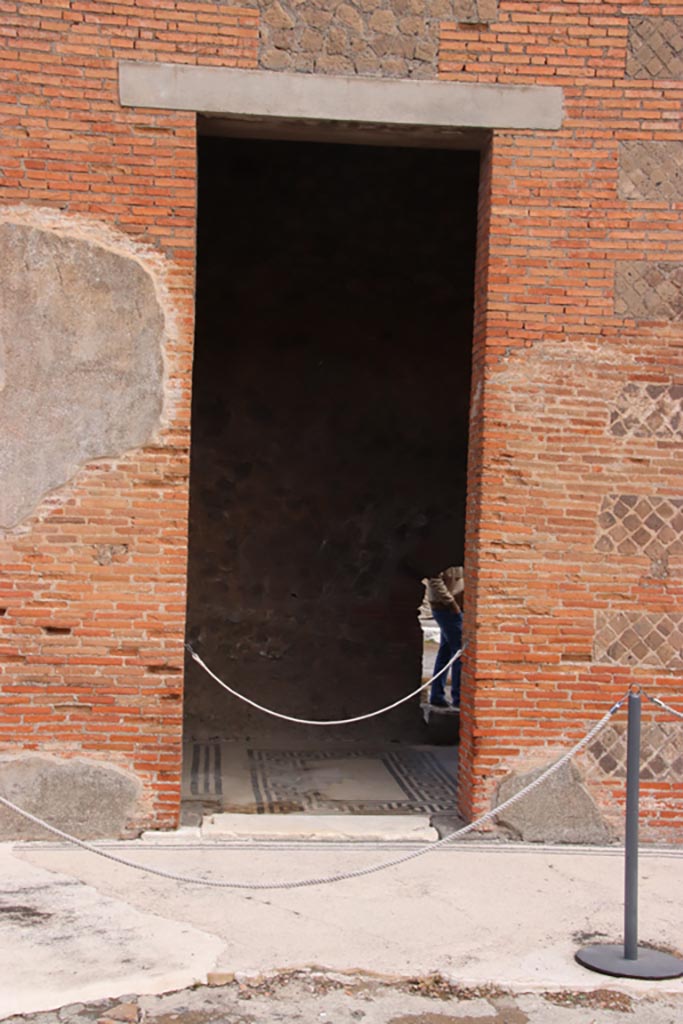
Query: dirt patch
[600,999]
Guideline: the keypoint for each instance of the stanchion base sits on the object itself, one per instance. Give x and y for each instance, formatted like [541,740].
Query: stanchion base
[609,959]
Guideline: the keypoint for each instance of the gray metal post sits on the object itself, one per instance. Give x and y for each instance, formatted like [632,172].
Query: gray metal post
[632,797]
[630,960]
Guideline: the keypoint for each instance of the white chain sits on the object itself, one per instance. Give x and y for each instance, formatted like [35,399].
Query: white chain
[315,721]
[342,876]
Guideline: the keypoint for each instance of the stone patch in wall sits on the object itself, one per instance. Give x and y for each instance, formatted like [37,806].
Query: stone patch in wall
[375,38]
[475,12]
[85,798]
[641,639]
[651,171]
[648,410]
[648,290]
[630,524]
[560,811]
[661,752]
[81,368]
[655,47]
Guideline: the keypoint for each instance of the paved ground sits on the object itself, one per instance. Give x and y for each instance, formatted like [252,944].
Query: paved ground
[304,997]
[499,923]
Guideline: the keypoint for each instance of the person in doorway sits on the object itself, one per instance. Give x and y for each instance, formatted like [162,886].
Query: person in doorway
[445,594]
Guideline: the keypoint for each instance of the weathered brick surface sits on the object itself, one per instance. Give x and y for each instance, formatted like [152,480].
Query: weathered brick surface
[92,596]
[575,398]
[576,395]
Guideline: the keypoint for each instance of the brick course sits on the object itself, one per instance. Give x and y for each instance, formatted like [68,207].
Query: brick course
[92,597]
[576,393]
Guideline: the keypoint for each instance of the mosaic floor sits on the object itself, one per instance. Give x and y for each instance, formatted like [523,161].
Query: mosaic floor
[410,781]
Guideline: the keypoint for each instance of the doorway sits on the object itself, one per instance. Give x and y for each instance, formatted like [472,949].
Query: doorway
[328,464]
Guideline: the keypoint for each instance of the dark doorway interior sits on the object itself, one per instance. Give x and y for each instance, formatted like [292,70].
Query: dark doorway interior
[329,427]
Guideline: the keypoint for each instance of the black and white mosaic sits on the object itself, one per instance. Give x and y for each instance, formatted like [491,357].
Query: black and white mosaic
[416,781]
[409,781]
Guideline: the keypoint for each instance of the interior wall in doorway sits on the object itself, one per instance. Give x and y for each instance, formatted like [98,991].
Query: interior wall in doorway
[330,413]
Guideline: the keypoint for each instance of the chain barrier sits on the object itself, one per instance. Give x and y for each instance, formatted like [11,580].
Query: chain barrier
[317,721]
[660,704]
[344,875]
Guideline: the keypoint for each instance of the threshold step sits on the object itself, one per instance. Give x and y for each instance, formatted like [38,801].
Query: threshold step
[413,827]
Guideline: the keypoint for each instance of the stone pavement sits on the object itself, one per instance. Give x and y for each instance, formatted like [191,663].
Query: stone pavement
[496,921]
[301,997]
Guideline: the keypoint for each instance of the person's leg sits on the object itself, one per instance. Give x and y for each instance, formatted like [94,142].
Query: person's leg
[450,624]
[437,694]
[455,641]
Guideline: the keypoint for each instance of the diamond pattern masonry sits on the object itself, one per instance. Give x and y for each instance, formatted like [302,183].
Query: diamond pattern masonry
[648,410]
[651,171]
[647,290]
[661,752]
[631,524]
[655,48]
[639,638]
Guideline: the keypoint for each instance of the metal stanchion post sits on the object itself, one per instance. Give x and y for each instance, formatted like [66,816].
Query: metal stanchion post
[631,960]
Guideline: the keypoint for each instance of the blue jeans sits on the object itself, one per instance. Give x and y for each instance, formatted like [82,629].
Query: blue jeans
[450,624]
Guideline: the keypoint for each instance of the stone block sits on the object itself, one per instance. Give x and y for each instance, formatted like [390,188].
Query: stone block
[217,978]
[87,799]
[275,60]
[127,1012]
[277,17]
[348,15]
[383,21]
[560,810]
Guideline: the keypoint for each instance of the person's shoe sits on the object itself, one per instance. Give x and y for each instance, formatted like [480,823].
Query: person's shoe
[439,702]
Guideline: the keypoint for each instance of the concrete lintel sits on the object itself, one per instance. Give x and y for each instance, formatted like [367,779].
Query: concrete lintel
[230,91]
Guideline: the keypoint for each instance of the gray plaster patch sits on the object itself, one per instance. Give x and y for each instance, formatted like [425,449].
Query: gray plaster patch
[81,369]
[561,810]
[87,799]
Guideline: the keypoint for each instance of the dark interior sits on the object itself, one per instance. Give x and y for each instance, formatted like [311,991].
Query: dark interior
[329,425]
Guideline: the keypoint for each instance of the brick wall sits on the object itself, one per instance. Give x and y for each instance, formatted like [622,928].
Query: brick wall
[574,556]
[575,490]
[93,587]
